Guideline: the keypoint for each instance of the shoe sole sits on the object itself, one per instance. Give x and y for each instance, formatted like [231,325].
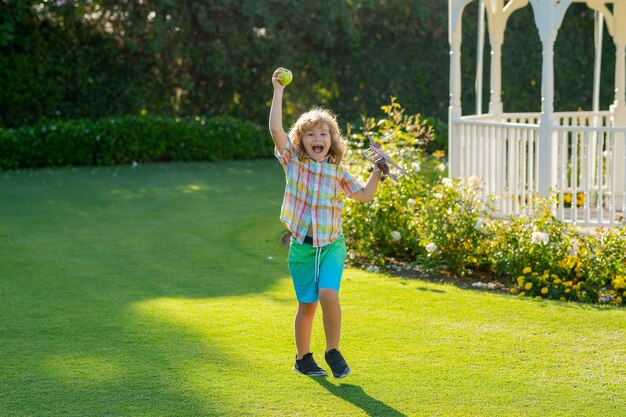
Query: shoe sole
[344,374]
[315,375]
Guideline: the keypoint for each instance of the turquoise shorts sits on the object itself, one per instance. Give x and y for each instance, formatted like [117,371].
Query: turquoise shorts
[314,268]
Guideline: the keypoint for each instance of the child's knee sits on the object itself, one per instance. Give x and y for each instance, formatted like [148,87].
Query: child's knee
[307,308]
[328,295]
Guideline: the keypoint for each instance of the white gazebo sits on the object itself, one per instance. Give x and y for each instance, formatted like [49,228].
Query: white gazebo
[577,155]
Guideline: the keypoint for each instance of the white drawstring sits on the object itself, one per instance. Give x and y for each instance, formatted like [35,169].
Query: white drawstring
[317,264]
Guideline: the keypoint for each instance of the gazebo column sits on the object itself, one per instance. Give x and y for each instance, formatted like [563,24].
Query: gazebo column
[619,38]
[454,110]
[620,84]
[616,25]
[546,179]
[619,120]
[455,13]
[619,13]
[548,18]
[495,99]
[498,14]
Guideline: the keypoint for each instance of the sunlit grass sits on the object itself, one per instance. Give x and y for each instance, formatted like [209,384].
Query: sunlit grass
[164,290]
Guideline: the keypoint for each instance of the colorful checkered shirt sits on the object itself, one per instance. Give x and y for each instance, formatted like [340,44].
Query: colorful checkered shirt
[313,197]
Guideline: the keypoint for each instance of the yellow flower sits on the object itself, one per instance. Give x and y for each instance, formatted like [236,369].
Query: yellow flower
[544,290]
[557,281]
[567,198]
[527,270]
[619,282]
[562,299]
[618,300]
[567,291]
[512,290]
[520,280]
[528,285]
[522,294]
[568,283]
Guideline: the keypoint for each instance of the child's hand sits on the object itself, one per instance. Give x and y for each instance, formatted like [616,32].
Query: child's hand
[276,81]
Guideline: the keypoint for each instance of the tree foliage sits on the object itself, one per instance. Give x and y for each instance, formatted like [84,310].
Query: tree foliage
[99,58]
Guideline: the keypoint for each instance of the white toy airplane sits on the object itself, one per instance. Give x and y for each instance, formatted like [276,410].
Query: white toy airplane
[378,158]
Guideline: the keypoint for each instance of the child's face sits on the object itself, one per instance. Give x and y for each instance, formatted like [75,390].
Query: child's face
[316,141]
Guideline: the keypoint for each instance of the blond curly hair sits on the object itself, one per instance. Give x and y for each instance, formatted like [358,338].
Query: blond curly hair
[317,117]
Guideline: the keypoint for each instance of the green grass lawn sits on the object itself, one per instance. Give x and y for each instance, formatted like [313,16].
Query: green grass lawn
[163,290]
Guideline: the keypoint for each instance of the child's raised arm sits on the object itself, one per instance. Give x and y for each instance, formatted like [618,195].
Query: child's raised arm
[276,113]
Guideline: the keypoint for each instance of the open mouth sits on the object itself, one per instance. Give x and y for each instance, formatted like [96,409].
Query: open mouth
[318,149]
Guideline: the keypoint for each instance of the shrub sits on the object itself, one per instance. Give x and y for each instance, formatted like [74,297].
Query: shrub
[383,228]
[603,264]
[127,139]
[537,241]
[449,222]
[442,223]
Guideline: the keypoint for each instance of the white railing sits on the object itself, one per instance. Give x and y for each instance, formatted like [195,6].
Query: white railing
[574,118]
[523,118]
[587,174]
[503,154]
[584,118]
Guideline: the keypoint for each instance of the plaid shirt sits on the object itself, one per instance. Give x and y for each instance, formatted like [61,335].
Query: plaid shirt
[313,197]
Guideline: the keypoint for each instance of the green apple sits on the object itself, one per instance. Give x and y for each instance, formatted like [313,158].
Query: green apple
[285,77]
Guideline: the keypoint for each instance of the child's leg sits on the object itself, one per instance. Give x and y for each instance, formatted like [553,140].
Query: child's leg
[302,269]
[303,327]
[331,310]
[330,271]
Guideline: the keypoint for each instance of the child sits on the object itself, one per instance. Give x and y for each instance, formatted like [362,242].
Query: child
[315,180]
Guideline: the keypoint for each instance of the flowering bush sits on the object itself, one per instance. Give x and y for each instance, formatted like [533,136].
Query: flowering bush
[438,223]
[546,285]
[382,229]
[449,224]
[537,241]
[603,264]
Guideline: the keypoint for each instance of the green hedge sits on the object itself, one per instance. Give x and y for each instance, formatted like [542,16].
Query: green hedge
[127,139]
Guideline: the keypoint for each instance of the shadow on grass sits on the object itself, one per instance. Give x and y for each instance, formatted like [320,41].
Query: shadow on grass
[90,245]
[359,398]
[430,290]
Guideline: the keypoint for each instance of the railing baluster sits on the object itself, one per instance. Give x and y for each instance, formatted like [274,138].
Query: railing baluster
[623,192]
[623,164]
[504,156]
[562,169]
[510,179]
[522,165]
[611,164]
[574,175]
[601,182]
[587,173]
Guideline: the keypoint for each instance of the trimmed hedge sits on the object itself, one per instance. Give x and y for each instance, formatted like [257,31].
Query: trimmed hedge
[135,138]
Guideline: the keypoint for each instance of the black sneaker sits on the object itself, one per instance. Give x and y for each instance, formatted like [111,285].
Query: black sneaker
[337,364]
[308,367]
